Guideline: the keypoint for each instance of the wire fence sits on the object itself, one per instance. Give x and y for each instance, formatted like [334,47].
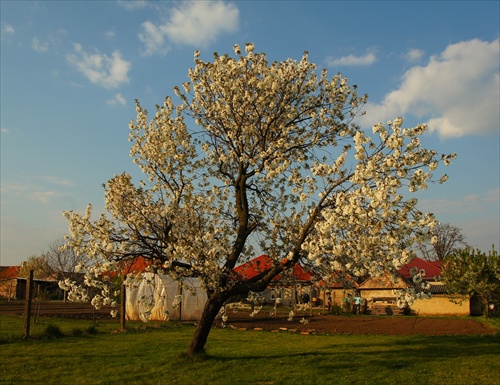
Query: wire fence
[42,318]
[47,317]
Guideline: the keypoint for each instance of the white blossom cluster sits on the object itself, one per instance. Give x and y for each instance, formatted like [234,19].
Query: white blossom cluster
[259,153]
[97,281]
[255,298]
[255,311]
[417,290]
[176,303]
[223,315]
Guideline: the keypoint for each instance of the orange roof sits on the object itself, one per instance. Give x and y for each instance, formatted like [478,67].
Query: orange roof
[137,264]
[9,272]
[263,263]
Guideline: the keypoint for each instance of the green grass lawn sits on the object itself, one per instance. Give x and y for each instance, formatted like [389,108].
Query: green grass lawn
[154,355]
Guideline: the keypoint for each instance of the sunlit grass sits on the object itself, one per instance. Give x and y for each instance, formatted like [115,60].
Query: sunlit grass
[154,355]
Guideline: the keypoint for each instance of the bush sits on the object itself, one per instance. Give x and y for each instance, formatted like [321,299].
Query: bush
[336,310]
[53,331]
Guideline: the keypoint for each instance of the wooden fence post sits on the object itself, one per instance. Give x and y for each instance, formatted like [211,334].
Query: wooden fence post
[123,308]
[310,300]
[27,305]
[179,292]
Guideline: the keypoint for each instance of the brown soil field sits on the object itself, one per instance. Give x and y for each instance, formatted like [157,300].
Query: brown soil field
[365,324]
[324,324]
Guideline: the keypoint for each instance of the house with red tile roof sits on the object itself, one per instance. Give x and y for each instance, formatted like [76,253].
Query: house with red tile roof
[13,286]
[8,281]
[432,269]
[378,292]
[263,263]
[292,286]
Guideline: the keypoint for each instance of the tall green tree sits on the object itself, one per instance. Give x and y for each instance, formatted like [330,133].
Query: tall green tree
[473,273]
[259,154]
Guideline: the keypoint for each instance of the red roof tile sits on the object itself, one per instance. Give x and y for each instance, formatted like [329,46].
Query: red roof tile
[263,263]
[9,272]
[432,269]
[135,265]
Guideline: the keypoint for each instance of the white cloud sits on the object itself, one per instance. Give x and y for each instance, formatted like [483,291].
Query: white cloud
[43,196]
[8,187]
[111,34]
[37,188]
[192,23]
[153,38]
[414,55]
[5,130]
[9,29]
[28,191]
[132,5]
[56,180]
[352,60]
[6,32]
[457,92]
[39,46]
[106,71]
[118,99]
[199,23]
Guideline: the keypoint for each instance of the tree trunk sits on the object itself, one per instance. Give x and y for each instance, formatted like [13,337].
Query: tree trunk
[486,304]
[212,307]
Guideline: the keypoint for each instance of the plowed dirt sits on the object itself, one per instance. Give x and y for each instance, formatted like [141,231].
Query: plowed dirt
[363,324]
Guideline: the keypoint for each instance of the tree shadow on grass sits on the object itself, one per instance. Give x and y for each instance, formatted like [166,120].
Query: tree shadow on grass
[391,354]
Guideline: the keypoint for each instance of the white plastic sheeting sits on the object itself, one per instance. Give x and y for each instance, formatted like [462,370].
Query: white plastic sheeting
[160,298]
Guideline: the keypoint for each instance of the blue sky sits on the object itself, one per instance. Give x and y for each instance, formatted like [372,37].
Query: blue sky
[70,72]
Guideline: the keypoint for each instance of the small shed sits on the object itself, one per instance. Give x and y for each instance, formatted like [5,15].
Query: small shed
[338,289]
[378,296]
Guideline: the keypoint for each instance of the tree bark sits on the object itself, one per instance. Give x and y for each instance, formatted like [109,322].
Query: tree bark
[212,307]
[486,304]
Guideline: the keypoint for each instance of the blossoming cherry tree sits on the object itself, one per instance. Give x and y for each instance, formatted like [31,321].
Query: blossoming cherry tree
[258,154]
